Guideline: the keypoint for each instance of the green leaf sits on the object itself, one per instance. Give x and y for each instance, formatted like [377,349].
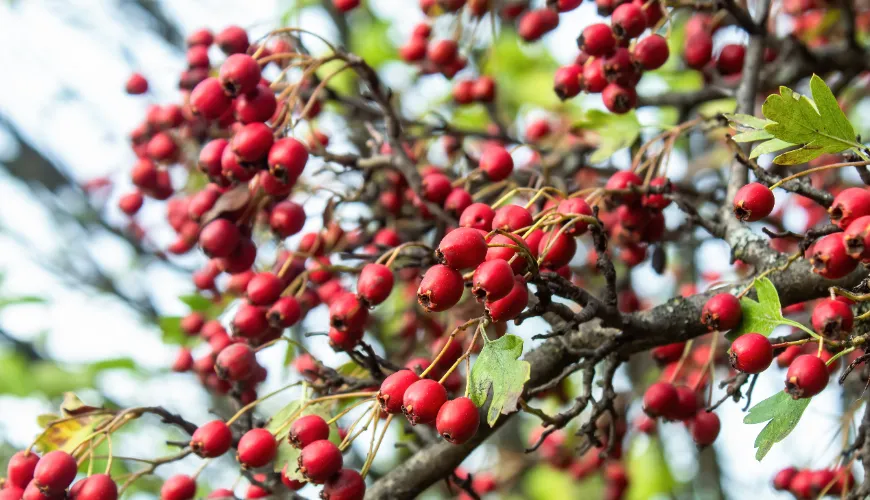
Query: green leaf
[498,369]
[782,414]
[752,136]
[740,120]
[762,316]
[770,146]
[171,328]
[818,126]
[196,302]
[369,39]
[615,131]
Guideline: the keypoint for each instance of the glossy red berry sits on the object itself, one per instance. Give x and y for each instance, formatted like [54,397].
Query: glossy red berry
[236,362]
[212,439]
[252,143]
[573,207]
[131,203]
[345,6]
[414,50]
[730,59]
[94,487]
[807,376]
[442,52]
[753,202]
[55,471]
[457,420]
[257,447]
[512,218]
[857,238]
[462,248]
[704,428]
[832,318]
[556,249]
[597,40]
[178,487]
[308,429]
[511,305]
[660,399]
[347,484]
[628,21]
[568,81]
[209,100]
[668,353]
[250,321]
[287,218]
[699,50]
[463,92]
[751,353]
[477,216]
[687,404]
[594,79]
[422,400]
[786,357]
[721,312]
[287,158]
[484,89]
[19,470]
[136,84]
[232,40]
[829,257]
[783,478]
[651,52]
[492,280]
[375,283]
[619,99]
[219,238]
[624,180]
[849,205]
[440,289]
[284,313]
[256,106]
[348,314]
[536,23]
[496,162]
[319,461]
[392,390]
[264,288]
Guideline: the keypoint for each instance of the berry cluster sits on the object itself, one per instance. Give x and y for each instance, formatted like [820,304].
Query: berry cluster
[805,484]
[31,477]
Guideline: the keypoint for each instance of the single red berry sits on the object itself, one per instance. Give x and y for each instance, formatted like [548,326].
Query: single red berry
[721,312]
[857,238]
[484,89]
[457,420]
[801,484]
[557,249]
[284,313]
[178,487]
[440,289]
[19,470]
[308,429]
[200,37]
[698,50]
[422,400]
[628,21]
[536,23]
[807,376]
[492,280]
[136,84]
[212,439]
[832,318]
[219,238]
[783,478]
[131,203]
[345,6]
[162,148]
[264,288]
[573,207]
[414,50]
[753,202]
[449,352]
[392,390]
[252,143]
[619,99]
[660,399]
[462,248]
[787,356]
[197,57]
[241,259]
[287,158]
[257,447]
[55,471]
[319,461]
[347,484]
[568,81]
[651,52]
[849,205]
[348,314]
[94,487]
[209,100]
[442,52]
[665,354]
[597,40]
[235,362]
[829,257]
[477,216]
[687,404]
[704,428]
[375,283]
[497,163]
[512,218]
[256,106]
[287,218]
[623,180]
[594,79]
[511,305]
[463,92]
[210,158]
[751,353]
[730,59]
[250,321]
[232,40]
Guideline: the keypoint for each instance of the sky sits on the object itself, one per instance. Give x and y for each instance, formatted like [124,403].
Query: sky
[65,63]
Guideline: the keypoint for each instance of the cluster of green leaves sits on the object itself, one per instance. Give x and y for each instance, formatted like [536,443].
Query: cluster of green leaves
[808,127]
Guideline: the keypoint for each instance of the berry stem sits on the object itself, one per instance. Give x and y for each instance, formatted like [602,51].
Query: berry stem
[252,404]
[346,411]
[686,350]
[770,271]
[377,445]
[460,328]
[465,354]
[393,254]
[819,169]
[353,435]
[321,399]
[838,355]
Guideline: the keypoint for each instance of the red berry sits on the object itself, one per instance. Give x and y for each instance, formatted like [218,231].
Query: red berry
[751,353]
[511,305]
[250,321]
[801,485]
[730,60]
[162,148]
[687,404]
[422,400]
[241,259]
[209,100]
[256,106]
[492,280]
[55,471]
[857,238]
[619,99]
[462,248]
[721,312]
[849,205]
[536,23]
[807,376]
[623,180]
[375,283]
[556,249]
[136,84]
[457,420]
[573,207]
[348,314]
[829,257]
[597,40]
[319,461]
[414,50]
[257,447]
[264,288]
[287,158]
[131,203]
[210,158]
[788,356]
[699,50]
[477,216]
[440,289]
[497,163]
[651,52]
[344,6]
[628,21]
[594,79]
[212,439]
[442,52]
[705,428]
[288,482]
[232,40]
[660,399]
[219,238]
[197,57]
[665,354]
[753,202]
[284,313]
[235,362]
[512,218]
[308,429]
[252,143]
[783,478]
[484,89]
[832,318]
[462,92]
[567,81]
[347,484]
[393,388]
[200,37]
[287,218]
[178,487]
[94,487]
[19,470]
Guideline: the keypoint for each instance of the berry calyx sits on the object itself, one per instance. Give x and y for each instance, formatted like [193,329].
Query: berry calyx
[807,376]
[751,353]
[849,205]
[422,400]
[348,314]
[457,420]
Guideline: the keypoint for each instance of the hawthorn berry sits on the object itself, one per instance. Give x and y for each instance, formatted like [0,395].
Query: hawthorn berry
[698,50]
[597,40]
[256,106]
[346,484]
[572,207]
[94,487]
[178,487]
[624,180]
[492,280]
[264,288]
[375,283]
[829,257]
[568,81]
[462,248]
[704,428]
[55,471]
[730,59]
[457,201]
[308,429]
[668,353]
[849,205]
[660,399]
[511,305]
[536,23]
[807,376]
[287,158]
[348,314]
[783,478]
[484,89]
[235,362]
[442,52]
[319,461]
[619,99]
[19,470]
[753,202]
[512,218]
[721,312]
[594,79]
[250,321]
[392,390]
[651,52]
[252,143]
[209,100]
[457,420]
[556,249]
[858,238]
[832,318]
[257,447]
[232,40]
[219,238]
[496,162]
[422,400]
[477,216]
[687,404]
[212,439]
[628,21]
[136,84]
[751,353]
[440,289]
